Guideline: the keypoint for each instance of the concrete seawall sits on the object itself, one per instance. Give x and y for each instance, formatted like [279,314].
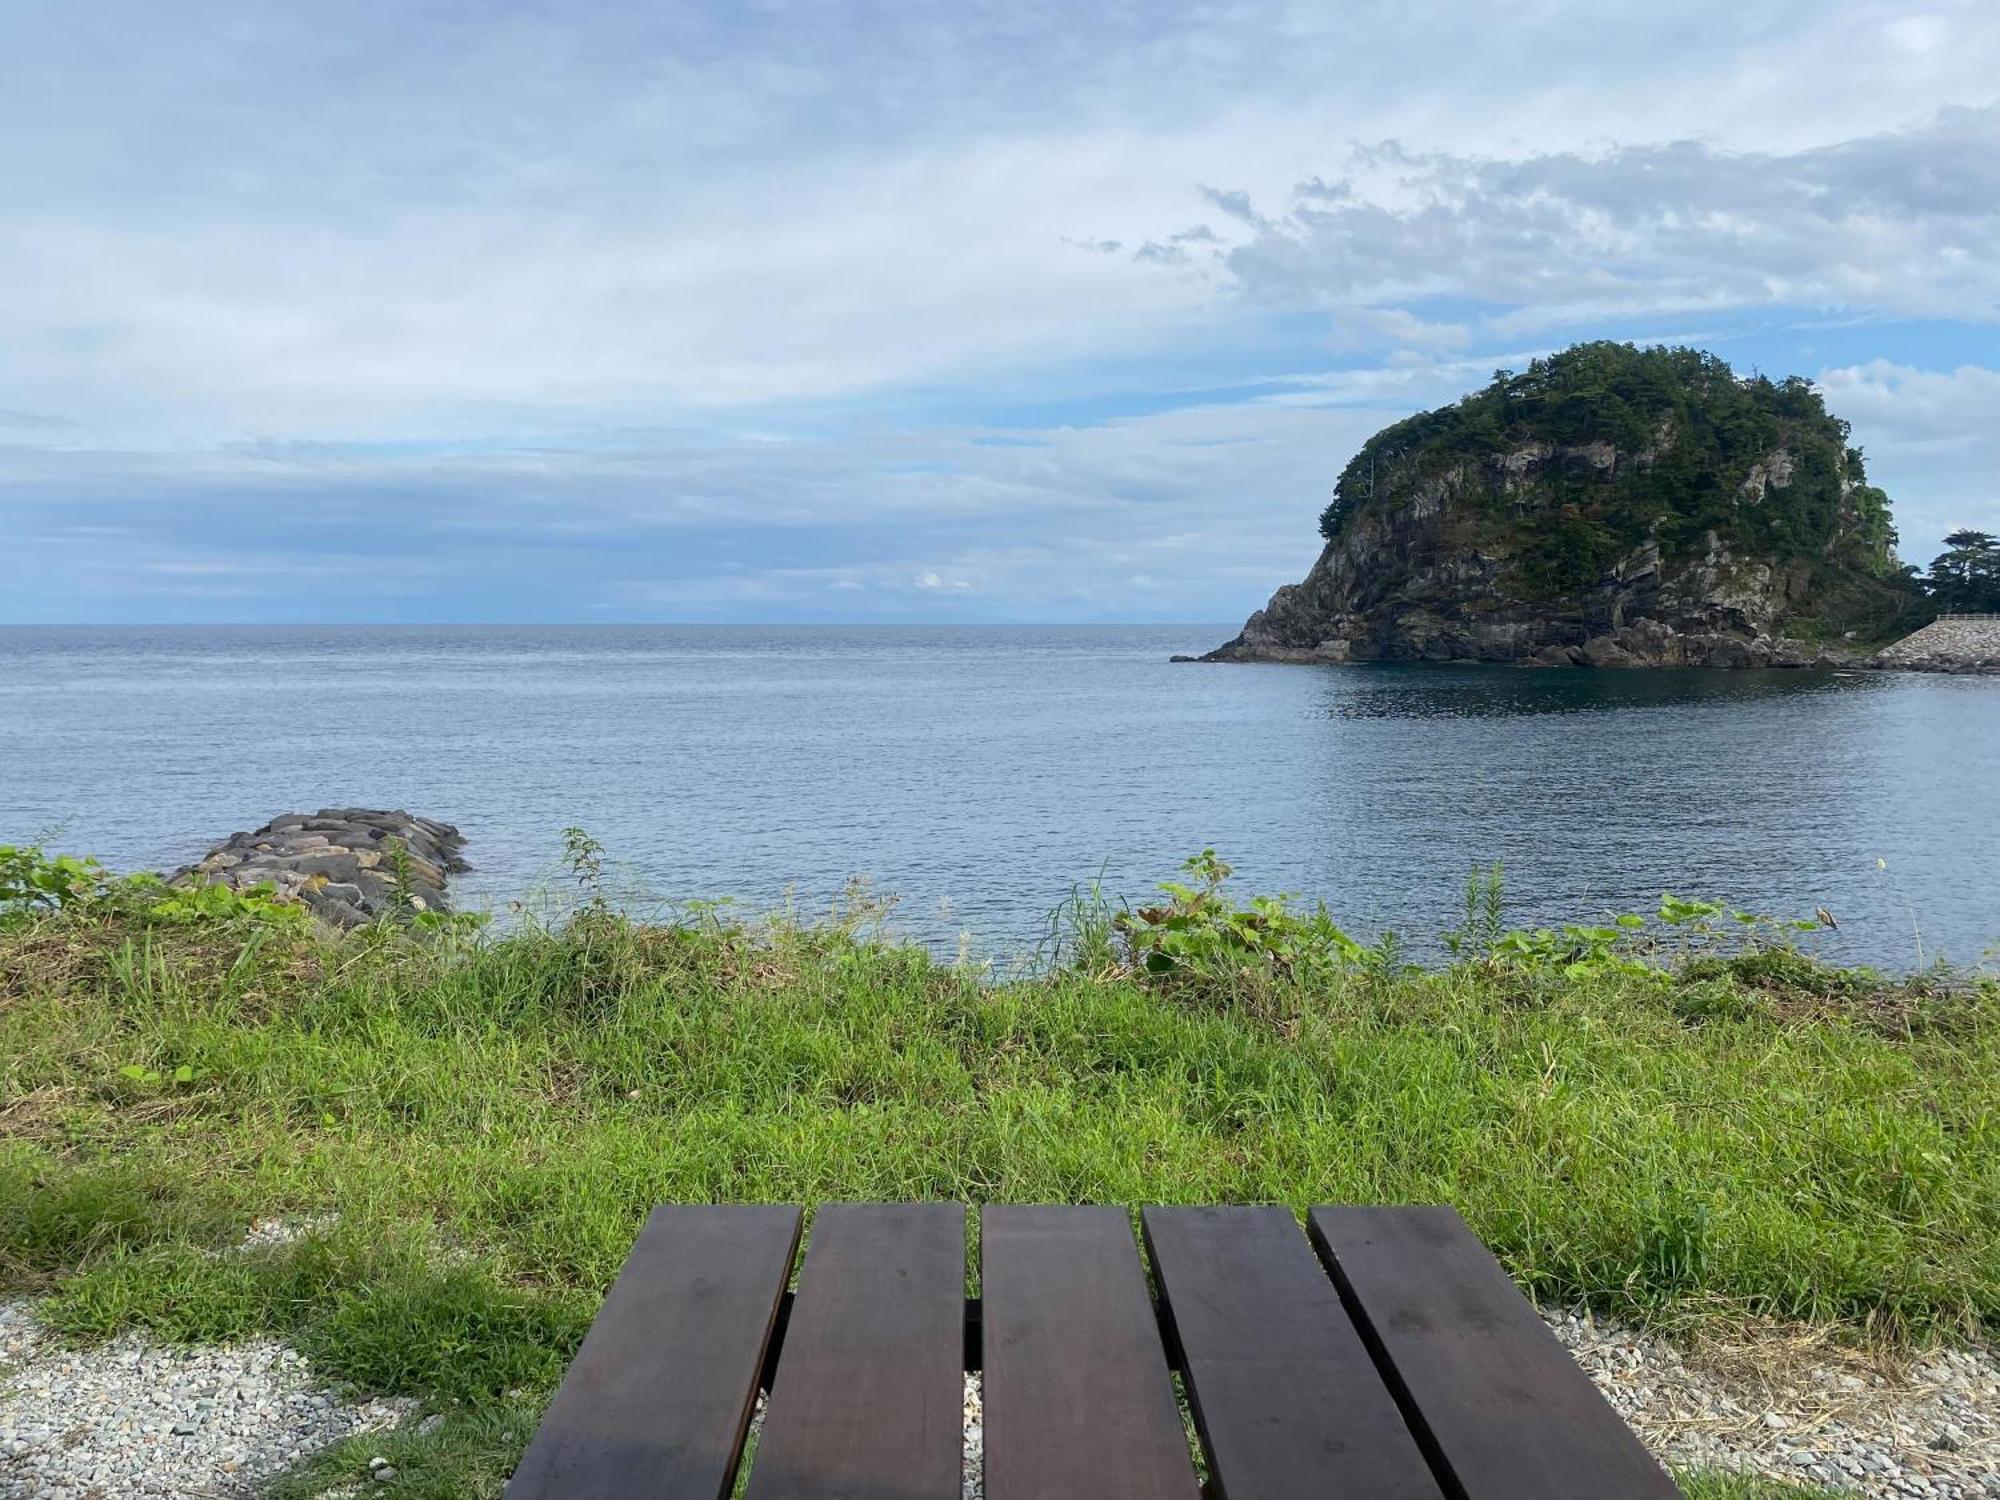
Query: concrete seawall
[1955,643]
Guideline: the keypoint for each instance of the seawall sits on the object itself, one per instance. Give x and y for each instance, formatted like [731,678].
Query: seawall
[1952,643]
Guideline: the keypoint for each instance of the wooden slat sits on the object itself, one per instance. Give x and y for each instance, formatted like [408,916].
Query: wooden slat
[1078,1401]
[1285,1395]
[657,1400]
[869,1399]
[1497,1400]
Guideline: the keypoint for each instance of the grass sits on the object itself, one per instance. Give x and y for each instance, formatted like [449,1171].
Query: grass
[482,1123]
[1716,1485]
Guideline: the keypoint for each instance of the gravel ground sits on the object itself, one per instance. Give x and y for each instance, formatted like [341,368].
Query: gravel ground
[135,1418]
[1803,1409]
[973,1465]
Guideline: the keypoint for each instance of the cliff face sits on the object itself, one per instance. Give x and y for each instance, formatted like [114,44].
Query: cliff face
[1681,531]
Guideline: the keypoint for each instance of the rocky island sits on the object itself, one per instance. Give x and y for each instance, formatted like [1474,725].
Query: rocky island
[1609,507]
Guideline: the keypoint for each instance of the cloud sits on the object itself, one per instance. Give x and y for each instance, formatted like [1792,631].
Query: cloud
[1210,505]
[1398,328]
[31,419]
[1197,511]
[701,310]
[1930,440]
[1235,203]
[1891,224]
[219,226]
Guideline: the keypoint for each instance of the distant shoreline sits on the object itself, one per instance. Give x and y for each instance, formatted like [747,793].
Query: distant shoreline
[1962,645]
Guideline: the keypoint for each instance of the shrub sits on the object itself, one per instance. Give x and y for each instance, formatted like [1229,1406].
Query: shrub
[1201,939]
[33,881]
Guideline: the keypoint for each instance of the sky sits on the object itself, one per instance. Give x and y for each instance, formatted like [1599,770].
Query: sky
[921,311]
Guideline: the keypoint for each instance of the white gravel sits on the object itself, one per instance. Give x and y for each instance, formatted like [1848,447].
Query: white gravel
[278,1230]
[1802,1409]
[973,1464]
[137,1418]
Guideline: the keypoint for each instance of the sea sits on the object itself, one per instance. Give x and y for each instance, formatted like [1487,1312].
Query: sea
[972,779]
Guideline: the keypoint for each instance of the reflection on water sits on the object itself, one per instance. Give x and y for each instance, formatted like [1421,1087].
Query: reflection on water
[980,773]
[1411,691]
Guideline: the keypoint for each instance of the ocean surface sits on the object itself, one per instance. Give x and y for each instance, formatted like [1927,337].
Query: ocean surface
[979,774]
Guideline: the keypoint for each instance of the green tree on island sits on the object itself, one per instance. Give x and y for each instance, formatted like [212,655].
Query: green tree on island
[1966,580]
[1699,433]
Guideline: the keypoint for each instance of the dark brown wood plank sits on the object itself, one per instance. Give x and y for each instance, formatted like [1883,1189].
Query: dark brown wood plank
[1079,1404]
[869,1399]
[1495,1398]
[1286,1397]
[657,1400]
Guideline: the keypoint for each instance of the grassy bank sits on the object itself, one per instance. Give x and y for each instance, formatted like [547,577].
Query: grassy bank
[476,1124]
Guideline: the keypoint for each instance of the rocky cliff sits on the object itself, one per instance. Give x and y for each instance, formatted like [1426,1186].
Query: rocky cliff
[1609,507]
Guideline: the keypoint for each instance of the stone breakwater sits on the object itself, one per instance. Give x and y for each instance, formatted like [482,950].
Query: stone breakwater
[348,865]
[1955,643]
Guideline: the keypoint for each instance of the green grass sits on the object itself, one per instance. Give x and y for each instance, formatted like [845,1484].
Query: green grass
[491,1118]
[1712,1484]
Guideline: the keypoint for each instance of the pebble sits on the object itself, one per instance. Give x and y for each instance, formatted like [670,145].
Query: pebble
[1792,1411]
[134,1417]
[277,1230]
[973,1465]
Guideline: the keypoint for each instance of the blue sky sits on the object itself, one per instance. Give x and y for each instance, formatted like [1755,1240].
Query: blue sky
[916,311]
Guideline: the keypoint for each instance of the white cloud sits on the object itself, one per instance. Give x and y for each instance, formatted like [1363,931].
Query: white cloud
[694,309]
[218,225]
[1890,224]
[1931,440]
[1190,512]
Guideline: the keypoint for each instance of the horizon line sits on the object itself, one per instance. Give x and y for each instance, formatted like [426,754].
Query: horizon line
[592,624]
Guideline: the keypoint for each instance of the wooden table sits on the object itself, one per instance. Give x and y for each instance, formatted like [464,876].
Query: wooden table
[1386,1356]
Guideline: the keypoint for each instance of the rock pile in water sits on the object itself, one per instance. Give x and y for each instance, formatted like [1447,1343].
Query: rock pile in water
[348,865]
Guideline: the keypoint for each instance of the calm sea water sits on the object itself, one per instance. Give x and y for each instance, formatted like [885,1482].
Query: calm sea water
[979,773]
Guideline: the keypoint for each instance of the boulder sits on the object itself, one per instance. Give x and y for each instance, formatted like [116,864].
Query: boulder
[337,863]
[1603,651]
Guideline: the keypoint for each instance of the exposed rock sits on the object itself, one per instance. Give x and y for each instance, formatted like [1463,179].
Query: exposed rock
[1557,656]
[1390,590]
[348,865]
[1603,651]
